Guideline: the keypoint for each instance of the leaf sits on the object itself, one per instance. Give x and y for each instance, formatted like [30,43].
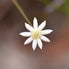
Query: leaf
[65,7]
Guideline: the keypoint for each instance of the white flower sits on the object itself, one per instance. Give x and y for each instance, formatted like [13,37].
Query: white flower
[36,34]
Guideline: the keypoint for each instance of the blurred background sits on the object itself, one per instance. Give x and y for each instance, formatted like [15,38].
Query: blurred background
[14,54]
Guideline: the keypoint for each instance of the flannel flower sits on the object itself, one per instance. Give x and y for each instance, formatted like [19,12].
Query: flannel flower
[36,34]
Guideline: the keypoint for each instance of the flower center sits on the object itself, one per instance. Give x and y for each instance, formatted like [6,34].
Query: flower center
[36,34]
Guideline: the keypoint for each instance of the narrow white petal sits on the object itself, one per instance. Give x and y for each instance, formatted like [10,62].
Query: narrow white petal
[29,40]
[35,23]
[45,39]
[34,44]
[30,28]
[48,31]
[39,43]
[42,25]
[26,34]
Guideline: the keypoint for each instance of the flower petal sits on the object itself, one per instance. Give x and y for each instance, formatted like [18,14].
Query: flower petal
[42,25]
[29,40]
[48,31]
[45,39]
[35,23]
[39,43]
[30,28]
[26,34]
[34,44]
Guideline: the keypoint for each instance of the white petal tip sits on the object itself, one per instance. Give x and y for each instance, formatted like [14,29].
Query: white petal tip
[41,48]
[26,24]
[20,34]
[33,49]
[42,25]
[48,41]
[35,18]
[45,21]
[28,27]
[51,30]
[25,43]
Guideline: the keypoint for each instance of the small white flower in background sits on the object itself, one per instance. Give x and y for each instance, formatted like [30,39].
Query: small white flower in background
[36,34]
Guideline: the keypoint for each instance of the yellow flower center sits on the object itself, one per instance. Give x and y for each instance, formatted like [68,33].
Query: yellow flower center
[36,34]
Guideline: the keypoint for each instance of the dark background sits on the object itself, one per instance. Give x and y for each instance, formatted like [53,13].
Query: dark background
[15,55]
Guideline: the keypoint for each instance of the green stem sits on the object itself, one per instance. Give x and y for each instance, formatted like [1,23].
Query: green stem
[21,11]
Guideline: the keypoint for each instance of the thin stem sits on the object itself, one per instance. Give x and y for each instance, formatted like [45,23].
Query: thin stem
[21,11]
